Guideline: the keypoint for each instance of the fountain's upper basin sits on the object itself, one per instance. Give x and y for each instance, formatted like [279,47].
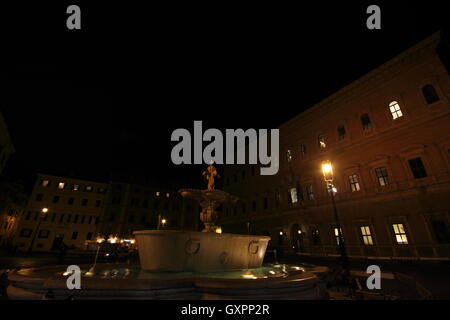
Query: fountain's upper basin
[169,250]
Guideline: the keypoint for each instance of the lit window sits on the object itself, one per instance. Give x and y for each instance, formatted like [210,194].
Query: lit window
[430,94]
[341,132]
[309,192]
[293,193]
[336,234]
[382,176]
[289,155]
[417,168]
[76,187]
[321,140]
[61,185]
[366,235]
[396,112]
[45,183]
[354,183]
[158,193]
[400,234]
[167,195]
[89,188]
[365,122]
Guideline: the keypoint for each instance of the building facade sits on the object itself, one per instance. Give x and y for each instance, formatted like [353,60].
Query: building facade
[131,206]
[60,210]
[387,136]
[72,211]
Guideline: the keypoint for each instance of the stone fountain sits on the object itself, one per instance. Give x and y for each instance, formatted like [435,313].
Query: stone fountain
[205,265]
[167,250]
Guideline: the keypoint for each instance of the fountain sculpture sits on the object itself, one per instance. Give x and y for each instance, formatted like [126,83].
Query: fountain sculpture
[167,250]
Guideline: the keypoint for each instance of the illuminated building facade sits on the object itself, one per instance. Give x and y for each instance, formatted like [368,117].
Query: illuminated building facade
[387,136]
[60,210]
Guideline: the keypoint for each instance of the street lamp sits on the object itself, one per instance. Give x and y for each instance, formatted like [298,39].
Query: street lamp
[43,211]
[327,170]
[163,222]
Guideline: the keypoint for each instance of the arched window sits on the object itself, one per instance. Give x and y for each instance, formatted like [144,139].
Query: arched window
[396,112]
[430,94]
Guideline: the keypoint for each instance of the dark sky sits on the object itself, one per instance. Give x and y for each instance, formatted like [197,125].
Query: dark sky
[107,98]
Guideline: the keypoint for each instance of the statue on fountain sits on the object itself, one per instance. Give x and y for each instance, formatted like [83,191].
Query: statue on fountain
[210,173]
[209,199]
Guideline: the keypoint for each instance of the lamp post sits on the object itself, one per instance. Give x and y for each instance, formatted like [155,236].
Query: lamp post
[43,211]
[163,221]
[327,170]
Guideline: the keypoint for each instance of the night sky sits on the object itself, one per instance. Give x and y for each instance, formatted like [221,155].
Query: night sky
[106,99]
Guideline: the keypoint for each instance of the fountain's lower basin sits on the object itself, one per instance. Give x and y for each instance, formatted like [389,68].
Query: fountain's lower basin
[167,250]
[124,281]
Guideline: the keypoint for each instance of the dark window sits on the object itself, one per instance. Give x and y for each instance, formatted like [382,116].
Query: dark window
[69,217]
[55,199]
[244,208]
[89,236]
[243,174]
[341,132]
[74,235]
[61,218]
[145,203]
[315,237]
[430,94]
[417,168]
[98,203]
[310,192]
[143,220]
[84,202]
[39,197]
[277,198]
[265,203]
[441,231]
[97,220]
[235,178]
[71,200]
[75,220]
[253,171]
[131,218]
[254,205]
[82,219]
[234,211]
[226,212]
[43,234]
[53,217]
[112,216]
[303,150]
[382,176]
[25,233]
[90,219]
[28,215]
[365,122]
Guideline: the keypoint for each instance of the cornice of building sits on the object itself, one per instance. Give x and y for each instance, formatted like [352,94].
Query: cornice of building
[369,81]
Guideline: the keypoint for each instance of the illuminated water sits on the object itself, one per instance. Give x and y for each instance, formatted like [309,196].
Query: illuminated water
[135,272]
